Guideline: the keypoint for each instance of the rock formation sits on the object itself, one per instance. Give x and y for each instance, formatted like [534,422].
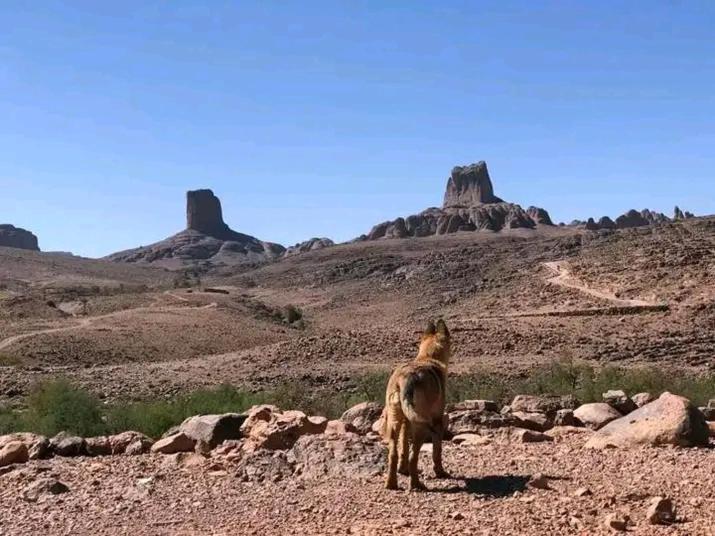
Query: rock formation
[469,205]
[469,186]
[632,218]
[313,244]
[206,238]
[14,237]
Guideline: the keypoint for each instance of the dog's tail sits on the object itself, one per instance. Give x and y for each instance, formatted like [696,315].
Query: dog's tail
[408,403]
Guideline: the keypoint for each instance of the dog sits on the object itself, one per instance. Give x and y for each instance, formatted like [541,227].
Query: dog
[414,407]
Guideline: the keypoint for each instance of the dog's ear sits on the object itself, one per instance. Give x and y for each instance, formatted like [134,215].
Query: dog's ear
[442,329]
[431,329]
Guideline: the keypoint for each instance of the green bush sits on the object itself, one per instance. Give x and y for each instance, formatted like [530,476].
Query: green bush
[56,406]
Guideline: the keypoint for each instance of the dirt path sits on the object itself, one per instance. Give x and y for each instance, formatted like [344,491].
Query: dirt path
[564,278]
[88,322]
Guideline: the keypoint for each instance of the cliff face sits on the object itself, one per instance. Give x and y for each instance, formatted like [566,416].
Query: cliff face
[469,205]
[14,237]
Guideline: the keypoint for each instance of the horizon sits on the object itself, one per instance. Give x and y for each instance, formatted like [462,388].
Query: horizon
[324,120]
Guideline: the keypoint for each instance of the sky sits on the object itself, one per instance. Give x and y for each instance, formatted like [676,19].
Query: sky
[323,118]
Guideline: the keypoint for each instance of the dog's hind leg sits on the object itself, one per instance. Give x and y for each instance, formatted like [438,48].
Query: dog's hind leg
[418,437]
[437,436]
[393,430]
[404,466]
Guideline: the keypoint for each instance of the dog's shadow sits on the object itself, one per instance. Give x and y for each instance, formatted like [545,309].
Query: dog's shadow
[495,486]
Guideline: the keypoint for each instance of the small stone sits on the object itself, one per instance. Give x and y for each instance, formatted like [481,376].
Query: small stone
[661,511]
[616,522]
[582,492]
[457,516]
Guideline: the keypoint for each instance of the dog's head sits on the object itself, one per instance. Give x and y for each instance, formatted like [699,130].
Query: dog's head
[436,342]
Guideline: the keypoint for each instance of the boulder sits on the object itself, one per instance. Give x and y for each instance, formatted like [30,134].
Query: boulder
[131,443]
[38,447]
[539,215]
[213,429]
[538,422]
[13,452]
[266,427]
[44,486]
[98,446]
[641,399]
[547,404]
[596,415]
[351,456]
[362,416]
[64,444]
[178,442]
[708,413]
[669,420]
[473,421]
[619,401]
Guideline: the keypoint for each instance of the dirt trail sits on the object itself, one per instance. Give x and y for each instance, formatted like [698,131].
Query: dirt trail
[88,322]
[563,277]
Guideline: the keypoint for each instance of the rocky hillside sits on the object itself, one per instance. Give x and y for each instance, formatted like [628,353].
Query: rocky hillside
[14,237]
[206,239]
[469,205]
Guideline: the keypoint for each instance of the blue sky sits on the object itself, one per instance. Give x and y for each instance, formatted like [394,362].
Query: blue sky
[324,118]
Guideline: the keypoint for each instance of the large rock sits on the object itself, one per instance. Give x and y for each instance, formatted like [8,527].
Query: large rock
[13,452]
[362,416]
[14,237]
[206,238]
[547,404]
[670,420]
[213,430]
[474,421]
[131,443]
[350,456]
[204,214]
[469,205]
[266,427]
[64,444]
[38,446]
[537,422]
[469,186]
[178,442]
[596,415]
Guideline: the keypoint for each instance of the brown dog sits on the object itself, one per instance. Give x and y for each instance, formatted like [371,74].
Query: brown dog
[414,407]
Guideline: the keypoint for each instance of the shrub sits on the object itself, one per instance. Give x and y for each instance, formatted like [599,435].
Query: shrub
[56,406]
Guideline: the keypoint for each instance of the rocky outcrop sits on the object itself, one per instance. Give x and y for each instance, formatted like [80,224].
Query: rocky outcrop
[14,237]
[469,205]
[630,219]
[313,244]
[206,239]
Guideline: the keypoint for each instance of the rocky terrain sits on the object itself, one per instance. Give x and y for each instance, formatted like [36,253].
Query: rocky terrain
[469,205]
[14,237]
[206,239]
[633,218]
[538,466]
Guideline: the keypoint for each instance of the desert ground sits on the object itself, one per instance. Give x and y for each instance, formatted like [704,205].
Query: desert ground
[514,301]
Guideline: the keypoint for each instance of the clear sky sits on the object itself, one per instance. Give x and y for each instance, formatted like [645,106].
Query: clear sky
[326,117]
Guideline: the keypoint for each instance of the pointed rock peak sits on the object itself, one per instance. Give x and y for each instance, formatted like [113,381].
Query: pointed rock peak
[469,186]
[203,213]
